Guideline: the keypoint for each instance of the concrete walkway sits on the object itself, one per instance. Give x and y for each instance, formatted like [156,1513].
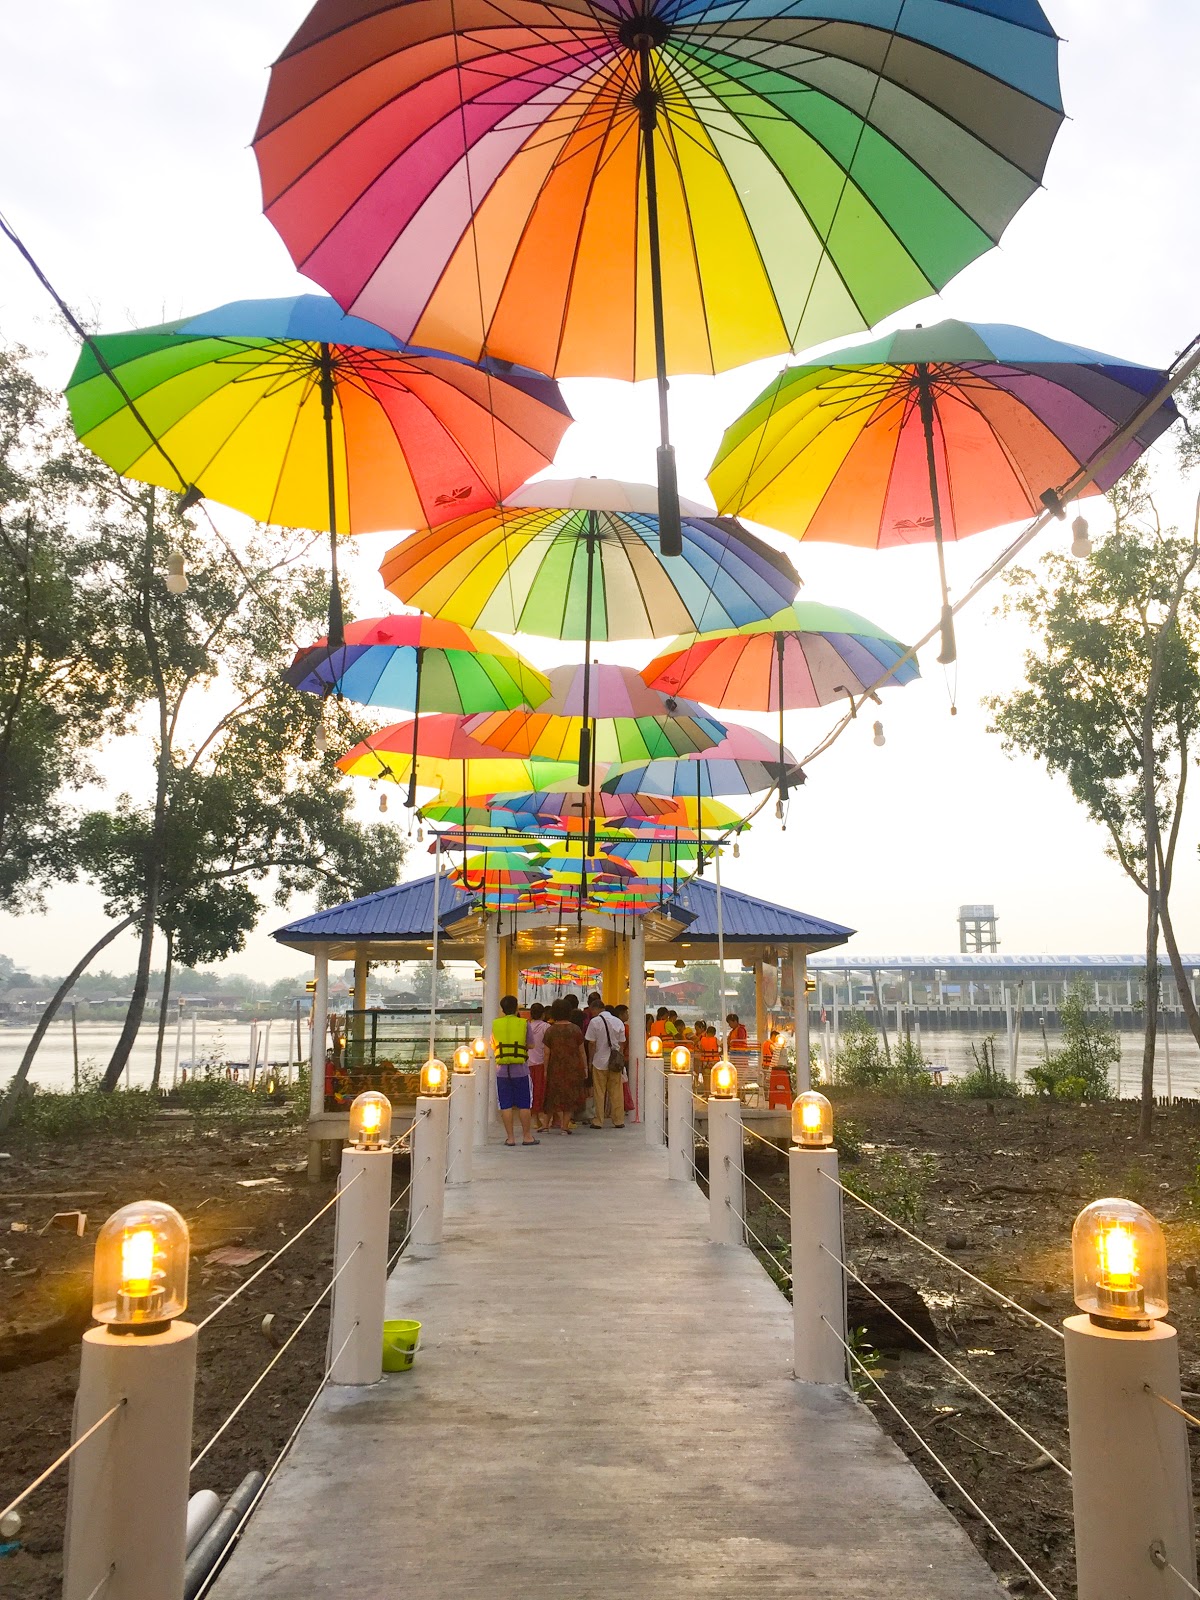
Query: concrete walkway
[602,1407]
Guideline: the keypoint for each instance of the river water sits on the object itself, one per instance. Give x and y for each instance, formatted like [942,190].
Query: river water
[53,1067]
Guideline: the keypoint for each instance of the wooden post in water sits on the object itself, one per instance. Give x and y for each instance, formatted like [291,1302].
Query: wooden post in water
[75,1042]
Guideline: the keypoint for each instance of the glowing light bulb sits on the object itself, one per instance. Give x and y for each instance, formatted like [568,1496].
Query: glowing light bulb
[812,1121]
[724,1081]
[479,1048]
[654,1045]
[435,1080]
[137,1262]
[464,1058]
[1081,544]
[681,1059]
[370,1120]
[1119,1257]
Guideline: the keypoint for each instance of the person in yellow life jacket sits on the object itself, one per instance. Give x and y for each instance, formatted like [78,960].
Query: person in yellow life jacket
[514,1085]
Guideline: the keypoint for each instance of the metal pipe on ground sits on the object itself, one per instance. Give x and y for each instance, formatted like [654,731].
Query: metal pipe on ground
[212,1547]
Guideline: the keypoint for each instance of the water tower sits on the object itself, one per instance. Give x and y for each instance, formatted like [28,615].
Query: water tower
[977,929]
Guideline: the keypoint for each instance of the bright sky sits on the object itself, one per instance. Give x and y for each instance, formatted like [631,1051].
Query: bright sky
[127,126]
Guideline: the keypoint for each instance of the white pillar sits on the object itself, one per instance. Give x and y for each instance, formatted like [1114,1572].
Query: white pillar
[485,1094]
[637,1015]
[726,1172]
[1131,1483]
[430,1138]
[681,1128]
[818,1283]
[360,1246]
[800,996]
[460,1145]
[316,1057]
[653,1104]
[128,1488]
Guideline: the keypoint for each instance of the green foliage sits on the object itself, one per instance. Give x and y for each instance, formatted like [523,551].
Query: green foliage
[868,1357]
[863,1064]
[847,1138]
[1089,1177]
[1079,1071]
[71,1114]
[986,1081]
[898,1187]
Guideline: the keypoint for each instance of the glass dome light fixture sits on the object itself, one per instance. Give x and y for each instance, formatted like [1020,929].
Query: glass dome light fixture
[479,1048]
[435,1080]
[681,1059]
[723,1080]
[1119,1257]
[812,1121]
[654,1046]
[370,1120]
[139,1282]
[464,1058]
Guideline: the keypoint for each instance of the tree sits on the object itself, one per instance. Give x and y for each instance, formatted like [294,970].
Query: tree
[1079,1071]
[1113,703]
[64,686]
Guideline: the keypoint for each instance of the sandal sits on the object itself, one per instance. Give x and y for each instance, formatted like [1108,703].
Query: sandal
[525,1143]
[510,1144]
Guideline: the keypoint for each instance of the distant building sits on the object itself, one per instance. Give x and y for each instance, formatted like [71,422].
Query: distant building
[977,930]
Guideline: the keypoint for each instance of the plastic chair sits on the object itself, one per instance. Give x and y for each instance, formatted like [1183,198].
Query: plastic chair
[779,1089]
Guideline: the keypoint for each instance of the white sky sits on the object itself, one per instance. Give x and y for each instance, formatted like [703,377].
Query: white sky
[126,125]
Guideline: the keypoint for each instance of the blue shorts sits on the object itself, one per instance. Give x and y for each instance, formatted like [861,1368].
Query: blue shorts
[515,1094]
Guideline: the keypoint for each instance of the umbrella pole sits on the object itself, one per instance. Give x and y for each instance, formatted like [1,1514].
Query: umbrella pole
[584,775]
[949,650]
[670,531]
[783,784]
[337,626]
[412,773]
[591,830]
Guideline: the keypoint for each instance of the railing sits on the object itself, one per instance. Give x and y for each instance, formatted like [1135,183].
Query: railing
[1103,1475]
[353,1297]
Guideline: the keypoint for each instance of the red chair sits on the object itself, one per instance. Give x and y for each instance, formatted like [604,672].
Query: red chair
[779,1089]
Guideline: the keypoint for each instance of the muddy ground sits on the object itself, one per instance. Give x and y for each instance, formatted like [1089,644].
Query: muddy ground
[210,1171]
[995,1185]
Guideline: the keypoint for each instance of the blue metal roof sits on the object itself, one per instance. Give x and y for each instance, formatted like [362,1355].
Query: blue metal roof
[748,919]
[406,912]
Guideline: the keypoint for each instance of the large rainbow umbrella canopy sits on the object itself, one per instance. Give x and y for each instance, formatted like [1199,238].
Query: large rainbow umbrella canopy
[524,568]
[237,397]
[806,655]
[745,762]
[489,177]
[930,434]
[631,721]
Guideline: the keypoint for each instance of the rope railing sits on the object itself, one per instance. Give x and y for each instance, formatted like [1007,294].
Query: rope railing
[1170,1404]
[278,1356]
[93,1592]
[767,1250]
[270,1262]
[399,1250]
[957,1371]
[1159,1557]
[215,1569]
[407,1189]
[65,1457]
[997,1294]
[938,1462]
[770,1143]
[783,1210]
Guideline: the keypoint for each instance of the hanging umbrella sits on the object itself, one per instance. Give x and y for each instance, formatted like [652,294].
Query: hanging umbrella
[744,762]
[411,662]
[629,722]
[388,754]
[576,560]
[476,812]
[620,190]
[293,412]
[930,434]
[805,655]
[577,810]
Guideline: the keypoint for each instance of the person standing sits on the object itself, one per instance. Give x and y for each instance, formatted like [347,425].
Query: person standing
[566,1067]
[514,1087]
[737,1043]
[535,1033]
[605,1038]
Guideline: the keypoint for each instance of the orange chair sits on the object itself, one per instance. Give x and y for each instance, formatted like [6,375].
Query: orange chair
[779,1089]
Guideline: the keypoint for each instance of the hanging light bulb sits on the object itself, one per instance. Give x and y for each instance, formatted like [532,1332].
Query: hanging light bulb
[880,737]
[320,742]
[383,803]
[1081,545]
[420,834]
[176,577]
[779,809]
[737,850]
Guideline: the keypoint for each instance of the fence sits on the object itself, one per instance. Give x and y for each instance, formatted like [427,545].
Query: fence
[1129,1461]
[135,1530]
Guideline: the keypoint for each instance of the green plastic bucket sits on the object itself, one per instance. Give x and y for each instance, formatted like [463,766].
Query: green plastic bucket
[401,1341]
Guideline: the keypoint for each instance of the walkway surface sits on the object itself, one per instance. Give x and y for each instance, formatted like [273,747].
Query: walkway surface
[602,1407]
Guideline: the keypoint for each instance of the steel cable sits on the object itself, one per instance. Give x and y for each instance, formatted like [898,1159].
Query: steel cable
[66,1456]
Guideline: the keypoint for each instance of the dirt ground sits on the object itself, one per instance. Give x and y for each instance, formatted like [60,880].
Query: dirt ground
[996,1185]
[209,1171]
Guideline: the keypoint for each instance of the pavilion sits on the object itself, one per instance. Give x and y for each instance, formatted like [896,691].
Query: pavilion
[398,925]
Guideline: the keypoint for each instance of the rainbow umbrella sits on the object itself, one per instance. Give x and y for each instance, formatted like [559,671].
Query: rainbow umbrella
[411,662]
[931,434]
[628,721]
[578,560]
[388,754]
[295,413]
[744,762]
[805,655]
[627,190]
